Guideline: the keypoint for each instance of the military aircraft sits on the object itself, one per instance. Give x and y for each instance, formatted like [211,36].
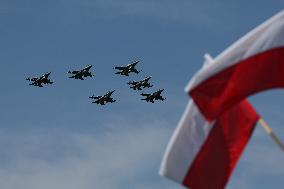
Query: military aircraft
[125,70]
[154,96]
[136,85]
[39,81]
[80,74]
[102,100]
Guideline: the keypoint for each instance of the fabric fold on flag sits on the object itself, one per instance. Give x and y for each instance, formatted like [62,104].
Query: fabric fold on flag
[252,64]
[203,154]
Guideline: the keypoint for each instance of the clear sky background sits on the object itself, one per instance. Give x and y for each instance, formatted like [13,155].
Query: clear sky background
[53,137]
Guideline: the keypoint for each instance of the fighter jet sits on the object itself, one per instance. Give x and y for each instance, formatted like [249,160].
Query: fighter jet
[102,100]
[125,70]
[136,85]
[154,96]
[80,74]
[39,81]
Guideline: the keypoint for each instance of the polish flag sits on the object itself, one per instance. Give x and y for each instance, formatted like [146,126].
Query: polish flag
[252,64]
[202,154]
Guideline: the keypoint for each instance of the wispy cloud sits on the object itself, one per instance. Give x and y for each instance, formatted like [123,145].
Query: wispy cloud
[186,11]
[124,156]
[218,15]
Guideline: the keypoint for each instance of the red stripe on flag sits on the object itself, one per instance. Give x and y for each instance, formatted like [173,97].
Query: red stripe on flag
[219,154]
[257,73]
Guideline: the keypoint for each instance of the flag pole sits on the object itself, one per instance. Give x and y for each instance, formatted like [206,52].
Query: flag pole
[269,131]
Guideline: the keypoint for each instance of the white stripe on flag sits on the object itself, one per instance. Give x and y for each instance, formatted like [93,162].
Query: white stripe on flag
[189,136]
[266,36]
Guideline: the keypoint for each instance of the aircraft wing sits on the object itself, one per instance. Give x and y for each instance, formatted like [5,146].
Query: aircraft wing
[147,95]
[120,68]
[134,63]
[38,84]
[32,79]
[95,97]
[86,74]
[100,101]
[87,69]
[75,72]
[132,82]
[136,71]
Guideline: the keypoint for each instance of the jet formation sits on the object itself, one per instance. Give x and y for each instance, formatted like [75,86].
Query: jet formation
[39,81]
[107,98]
[81,74]
[153,96]
[102,100]
[129,68]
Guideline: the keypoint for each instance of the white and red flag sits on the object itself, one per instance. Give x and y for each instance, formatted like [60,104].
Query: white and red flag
[252,64]
[202,154]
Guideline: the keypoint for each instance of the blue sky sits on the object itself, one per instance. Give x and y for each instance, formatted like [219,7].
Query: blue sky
[55,138]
